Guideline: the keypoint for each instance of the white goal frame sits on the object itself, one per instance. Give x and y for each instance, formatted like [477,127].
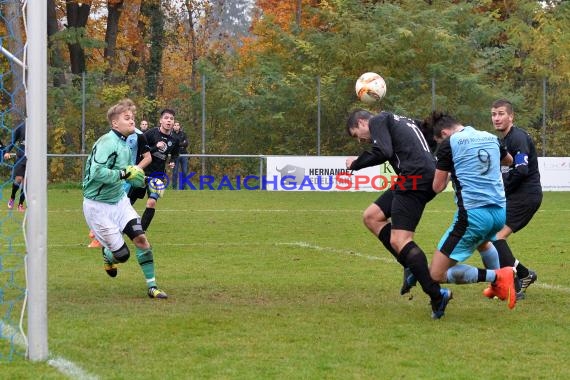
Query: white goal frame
[36,180]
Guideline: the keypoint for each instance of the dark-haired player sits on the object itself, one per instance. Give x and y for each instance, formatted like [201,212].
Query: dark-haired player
[472,160]
[163,147]
[394,216]
[18,141]
[522,187]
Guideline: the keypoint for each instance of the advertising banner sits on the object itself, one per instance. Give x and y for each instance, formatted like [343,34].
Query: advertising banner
[304,173]
[328,173]
[554,173]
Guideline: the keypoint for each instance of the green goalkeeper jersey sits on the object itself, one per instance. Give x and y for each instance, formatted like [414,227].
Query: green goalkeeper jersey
[102,181]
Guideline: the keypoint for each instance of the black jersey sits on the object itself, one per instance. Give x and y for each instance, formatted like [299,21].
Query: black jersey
[17,140]
[182,141]
[160,156]
[398,140]
[522,176]
[142,147]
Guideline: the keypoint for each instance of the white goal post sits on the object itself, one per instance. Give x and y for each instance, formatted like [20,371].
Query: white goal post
[36,179]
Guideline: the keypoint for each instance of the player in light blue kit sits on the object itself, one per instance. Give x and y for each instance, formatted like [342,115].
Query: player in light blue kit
[472,160]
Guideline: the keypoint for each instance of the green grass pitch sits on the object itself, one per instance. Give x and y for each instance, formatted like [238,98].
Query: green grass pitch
[290,285]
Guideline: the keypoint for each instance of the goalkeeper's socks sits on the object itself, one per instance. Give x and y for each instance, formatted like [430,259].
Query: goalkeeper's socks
[109,258]
[147,216]
[22,197]
[146,261]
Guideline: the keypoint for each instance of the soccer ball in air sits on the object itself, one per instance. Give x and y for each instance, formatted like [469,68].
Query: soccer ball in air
[370,88]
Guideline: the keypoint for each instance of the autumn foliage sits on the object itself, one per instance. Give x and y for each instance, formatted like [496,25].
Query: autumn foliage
[277,71]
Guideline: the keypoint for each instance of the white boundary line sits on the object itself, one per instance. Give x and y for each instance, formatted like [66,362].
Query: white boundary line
[70,369]
[547,286]
[302,244]
[63,365]
[542,285]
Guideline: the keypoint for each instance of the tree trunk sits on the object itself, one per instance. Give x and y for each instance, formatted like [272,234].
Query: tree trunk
[55,55]
[153,11]
[114,10]
[193,47]
[77,16]
[137,59]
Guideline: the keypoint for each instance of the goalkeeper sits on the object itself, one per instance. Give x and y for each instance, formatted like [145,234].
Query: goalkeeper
[140,156]
[106,208]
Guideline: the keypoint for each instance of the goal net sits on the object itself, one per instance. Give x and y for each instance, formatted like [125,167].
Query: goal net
[22,243]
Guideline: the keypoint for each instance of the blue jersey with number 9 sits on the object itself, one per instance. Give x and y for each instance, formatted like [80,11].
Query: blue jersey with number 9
[473,159]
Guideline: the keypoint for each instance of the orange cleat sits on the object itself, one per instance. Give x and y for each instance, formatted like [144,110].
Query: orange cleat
[489,292]
[504,286]
[94,244]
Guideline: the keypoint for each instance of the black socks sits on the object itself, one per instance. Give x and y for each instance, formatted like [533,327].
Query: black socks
[414,258]
[384,237]
[147,218]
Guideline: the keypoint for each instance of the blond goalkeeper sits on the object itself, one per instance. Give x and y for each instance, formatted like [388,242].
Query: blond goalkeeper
[106,207]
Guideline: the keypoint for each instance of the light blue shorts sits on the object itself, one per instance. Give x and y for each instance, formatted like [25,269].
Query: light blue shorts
[469,229]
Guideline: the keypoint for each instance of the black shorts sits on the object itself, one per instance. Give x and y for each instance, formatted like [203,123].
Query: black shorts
[521,208]
[405,207]
[20,167]
[136,193]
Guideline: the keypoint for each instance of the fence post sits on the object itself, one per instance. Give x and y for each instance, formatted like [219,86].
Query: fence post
[433,93]
[203,123]
[318,115]
[544,117]
[83,99]
[261,157]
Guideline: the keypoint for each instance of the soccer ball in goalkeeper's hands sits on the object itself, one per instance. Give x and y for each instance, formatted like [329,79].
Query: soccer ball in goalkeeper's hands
[370,88]
[156,186]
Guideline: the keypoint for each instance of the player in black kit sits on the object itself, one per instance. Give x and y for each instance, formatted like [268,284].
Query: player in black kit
[163,147]
[522,187]
[394,216]
[18,141]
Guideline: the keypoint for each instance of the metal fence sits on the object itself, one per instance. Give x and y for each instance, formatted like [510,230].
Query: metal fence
[540,109]
[69,168]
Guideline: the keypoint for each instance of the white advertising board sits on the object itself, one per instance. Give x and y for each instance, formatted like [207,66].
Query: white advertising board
[323,173]
[554,173]
[328,173]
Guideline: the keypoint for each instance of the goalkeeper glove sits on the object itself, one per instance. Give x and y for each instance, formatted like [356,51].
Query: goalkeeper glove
[156,186]
[133,175]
